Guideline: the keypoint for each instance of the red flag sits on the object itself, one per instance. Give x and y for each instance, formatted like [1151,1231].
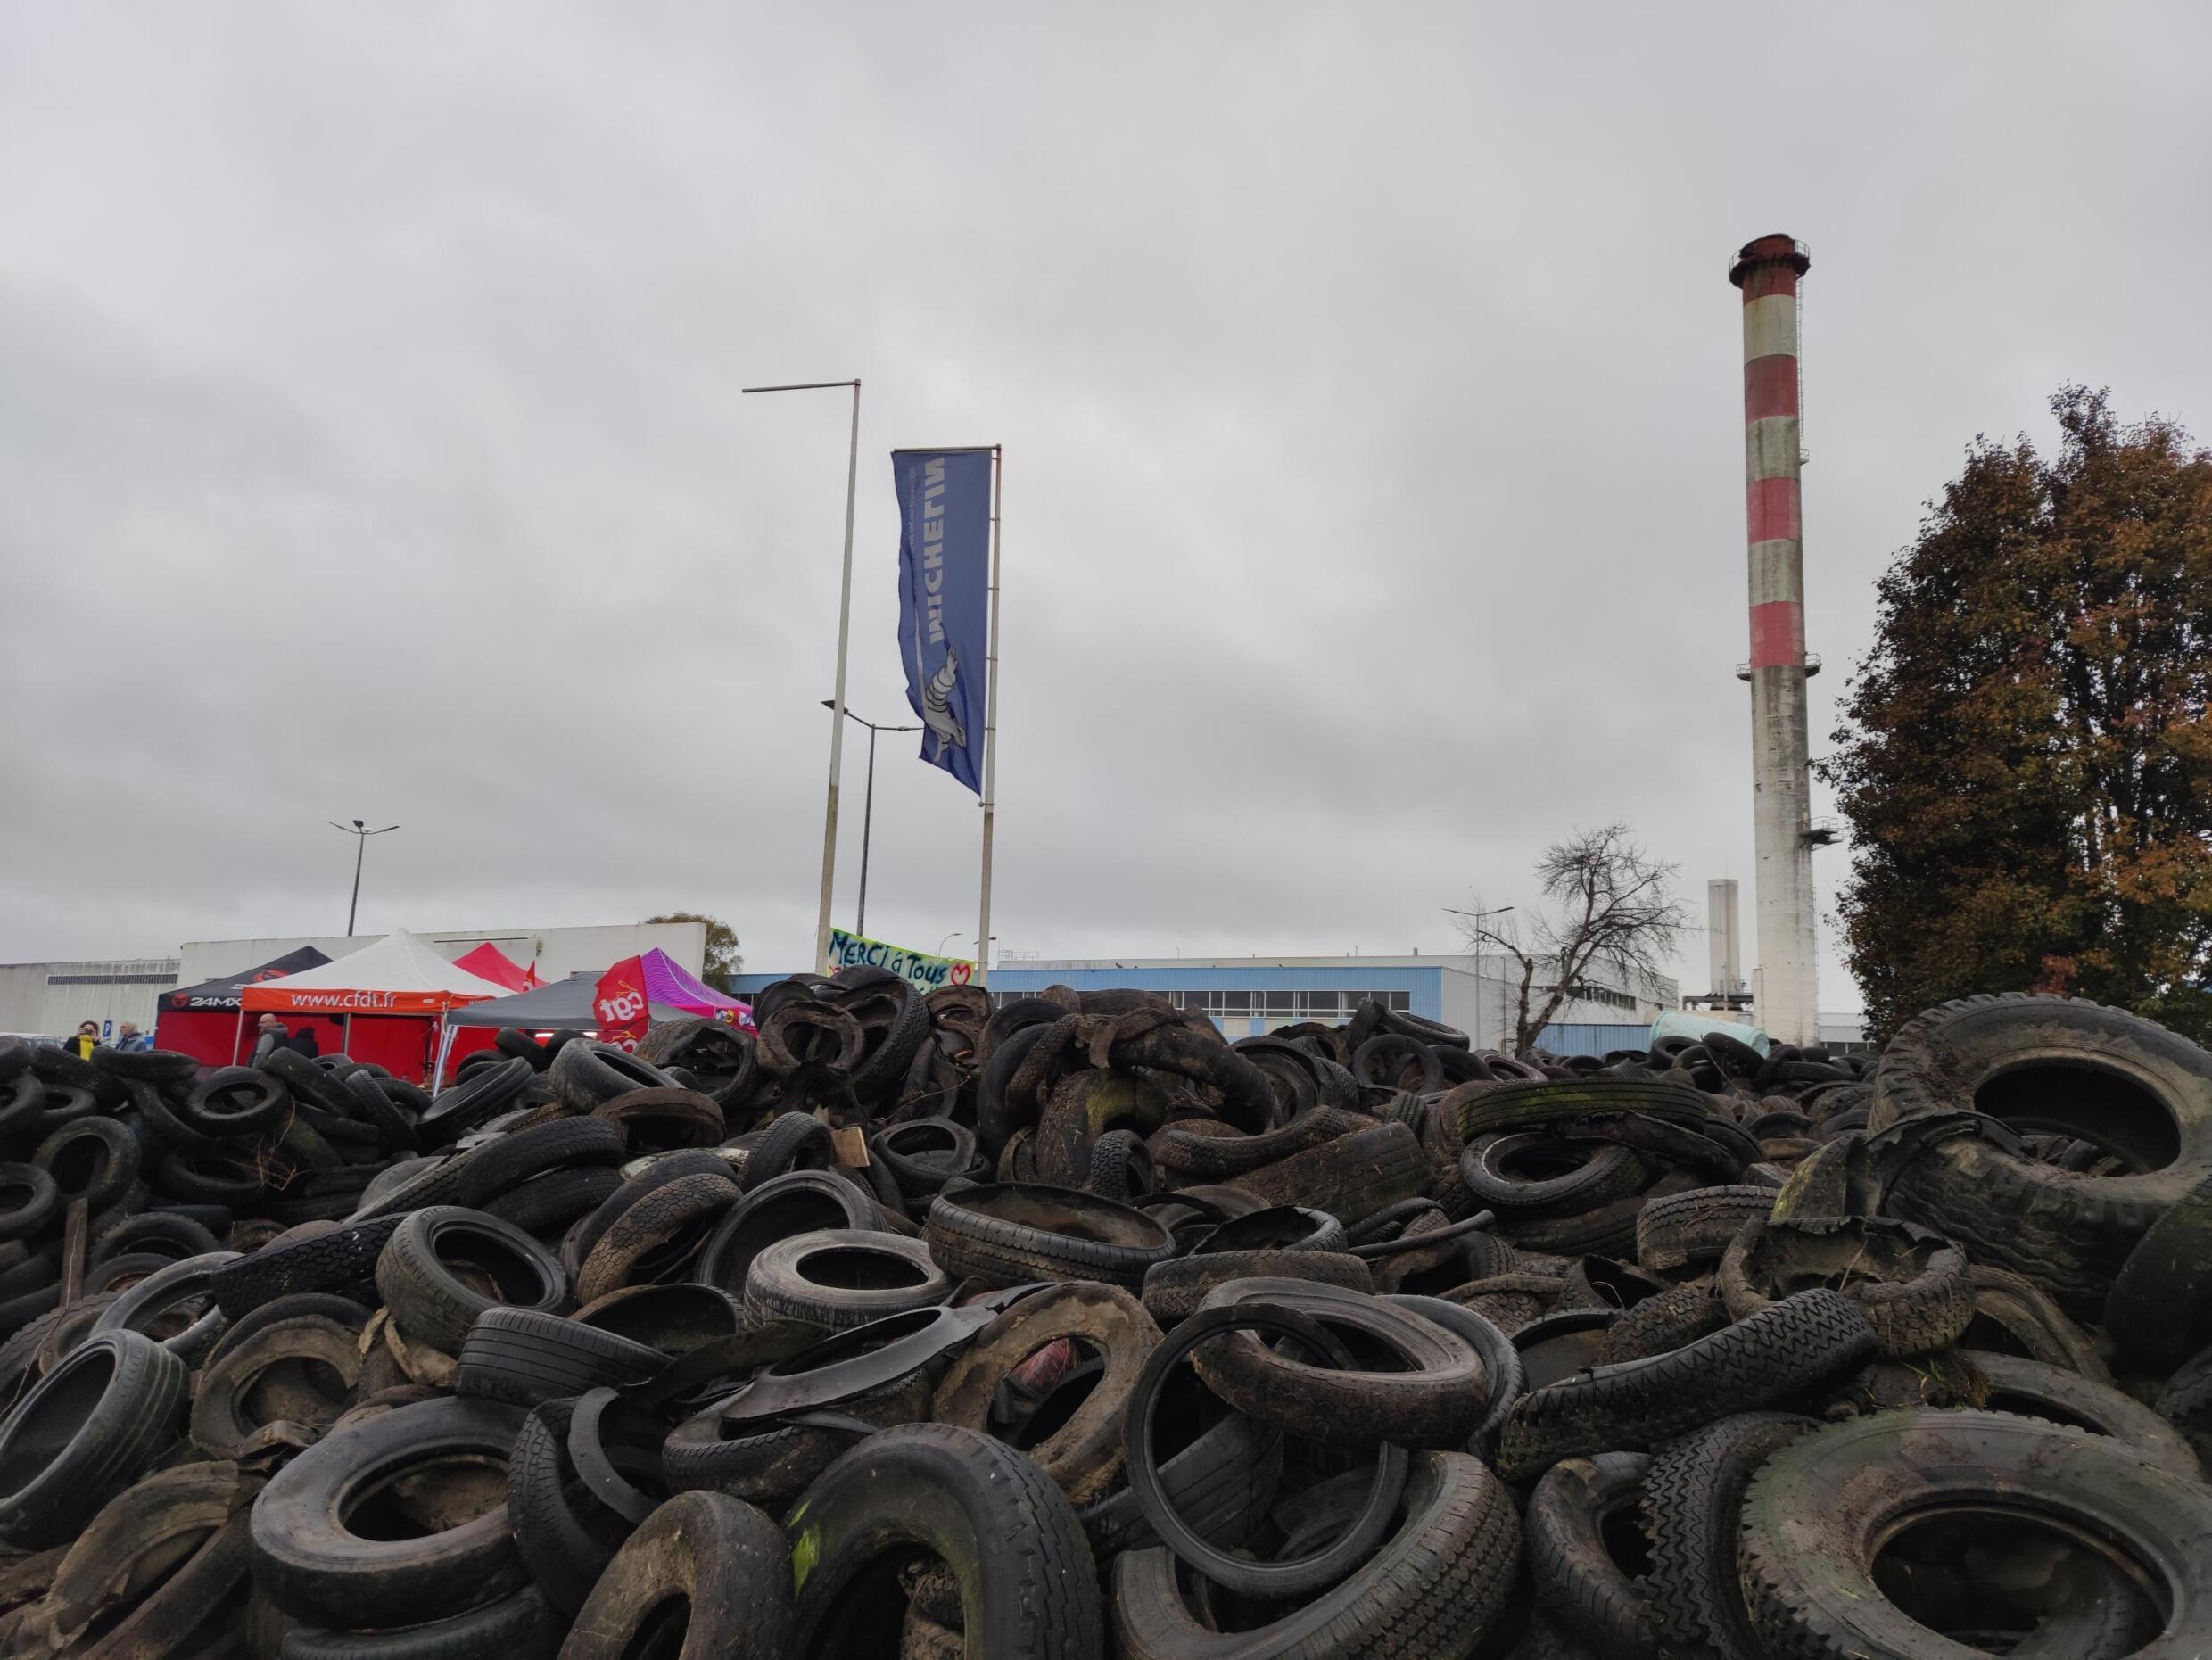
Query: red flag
[619,1002]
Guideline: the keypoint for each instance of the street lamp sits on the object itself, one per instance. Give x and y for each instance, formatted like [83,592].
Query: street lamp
[868,806]
[360,846]
[845,620]
[1478,916]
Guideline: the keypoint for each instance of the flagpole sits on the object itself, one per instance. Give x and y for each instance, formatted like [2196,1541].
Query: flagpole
[845,628]
[990,725]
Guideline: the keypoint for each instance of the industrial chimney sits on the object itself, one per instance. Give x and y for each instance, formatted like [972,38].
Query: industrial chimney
[1725,975]
[1784,992]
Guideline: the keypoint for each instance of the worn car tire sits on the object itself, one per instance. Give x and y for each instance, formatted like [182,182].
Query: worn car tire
[729,1567]
[1525,1173]
[840,1278]
[1084,1455]
[432,1304]
[85,1431]
[1435,1398]
[224,1418]
[1573,1508]
[2048,1065]
[1692,1497]
[524,1356]
[1769,1357]
[518,1627]
[1682,1230]
[1437,1586]
[2161,1307]
[1910,1283]
[309,1560]
[1011,1233]
[1028,1587]
[1352,1178]
[2036,1391]
[340,1259]
[1816,1513]
[662,1232]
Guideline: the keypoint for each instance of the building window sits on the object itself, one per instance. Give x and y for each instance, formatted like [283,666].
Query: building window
[1604,996]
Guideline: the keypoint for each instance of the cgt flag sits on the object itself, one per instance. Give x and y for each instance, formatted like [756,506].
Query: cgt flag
[945,552]
[618,1003]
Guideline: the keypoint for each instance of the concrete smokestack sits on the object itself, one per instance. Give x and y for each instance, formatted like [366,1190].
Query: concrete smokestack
[1786,992]
[1725,973]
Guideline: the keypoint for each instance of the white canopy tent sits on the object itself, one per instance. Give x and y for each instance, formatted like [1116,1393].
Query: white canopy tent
[399,974]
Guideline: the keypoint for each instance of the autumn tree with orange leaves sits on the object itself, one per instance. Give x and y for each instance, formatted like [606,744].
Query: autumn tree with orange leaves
[2027,762]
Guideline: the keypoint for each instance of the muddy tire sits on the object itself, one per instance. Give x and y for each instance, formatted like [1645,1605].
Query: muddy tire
[842,1277]
[1683,1230]
[1352,1178]
[1576,1504]
[1772,1356]
[309,1560]
[1815,1516]
[654,1237]
[1434,1399]
[1084,1455]
[1029,1589]
[1693,1496]
[1911,1284]
[1437,1586]
[228,1410]
[2048,1066]
[2014,1316]
[1011,1233]
[1173,1290]
[1217,1152]
[2160,1308]
[2036,1390]
[1526,1173]
[1660,1324]
[726,1565]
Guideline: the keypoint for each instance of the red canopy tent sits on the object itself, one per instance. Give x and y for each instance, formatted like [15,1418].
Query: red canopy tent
[487,962]
[393,996]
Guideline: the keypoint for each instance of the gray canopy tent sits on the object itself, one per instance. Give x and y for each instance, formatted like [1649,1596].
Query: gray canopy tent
[564,1004]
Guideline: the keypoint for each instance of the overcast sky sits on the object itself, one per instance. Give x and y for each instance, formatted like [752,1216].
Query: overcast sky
[370,442]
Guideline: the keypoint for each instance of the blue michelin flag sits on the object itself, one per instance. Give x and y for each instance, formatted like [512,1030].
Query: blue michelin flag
[945,553]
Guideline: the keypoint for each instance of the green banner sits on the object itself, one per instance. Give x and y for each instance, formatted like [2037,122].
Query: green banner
[917,968]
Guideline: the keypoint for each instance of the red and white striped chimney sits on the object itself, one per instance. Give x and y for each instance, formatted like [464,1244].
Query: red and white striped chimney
[1785,983]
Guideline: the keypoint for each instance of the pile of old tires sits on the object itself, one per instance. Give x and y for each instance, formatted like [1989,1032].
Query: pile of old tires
[925,1327]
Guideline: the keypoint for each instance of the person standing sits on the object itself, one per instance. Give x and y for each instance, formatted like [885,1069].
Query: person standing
[275,1035]
[130,1039]
[86,1040]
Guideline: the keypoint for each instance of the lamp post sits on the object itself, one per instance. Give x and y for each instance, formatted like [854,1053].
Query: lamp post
[360,846]
[1477,917]
[844,620]
[982,956]
[868,806]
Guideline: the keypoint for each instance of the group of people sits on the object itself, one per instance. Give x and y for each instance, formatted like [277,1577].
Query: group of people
[271,1034]
[88,1038]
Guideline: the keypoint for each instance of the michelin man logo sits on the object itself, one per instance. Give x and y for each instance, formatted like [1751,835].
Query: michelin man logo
[937,706]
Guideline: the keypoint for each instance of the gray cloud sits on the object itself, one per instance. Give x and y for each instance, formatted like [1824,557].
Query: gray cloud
[370,439]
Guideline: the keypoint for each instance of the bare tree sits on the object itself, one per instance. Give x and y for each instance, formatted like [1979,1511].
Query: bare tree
[1611,910]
